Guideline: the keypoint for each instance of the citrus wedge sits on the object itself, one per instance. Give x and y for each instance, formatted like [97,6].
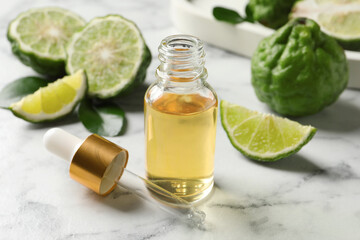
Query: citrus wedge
[113,53]
[54,101]
[38,38]
[260,136]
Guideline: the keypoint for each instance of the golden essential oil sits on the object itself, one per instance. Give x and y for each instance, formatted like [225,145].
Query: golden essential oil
[180,144]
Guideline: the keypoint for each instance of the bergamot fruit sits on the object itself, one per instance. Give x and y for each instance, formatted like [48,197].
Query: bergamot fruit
[271,13]
[38,37]
[299,70]
[113,53]
[337,18]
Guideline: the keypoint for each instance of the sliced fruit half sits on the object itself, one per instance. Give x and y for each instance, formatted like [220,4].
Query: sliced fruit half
[263,137]
[343,26]
[54,101]
[337,18]
[38,38]
[336,1]
[113,53]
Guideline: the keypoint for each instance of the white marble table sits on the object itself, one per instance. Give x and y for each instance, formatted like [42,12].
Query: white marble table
[314,194]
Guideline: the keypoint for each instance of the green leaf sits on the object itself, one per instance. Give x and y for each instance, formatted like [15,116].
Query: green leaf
[227,15]
[19,88]
[105,119]
[249,14]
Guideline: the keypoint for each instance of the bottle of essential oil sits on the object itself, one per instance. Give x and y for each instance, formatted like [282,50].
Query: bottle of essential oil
[180,121]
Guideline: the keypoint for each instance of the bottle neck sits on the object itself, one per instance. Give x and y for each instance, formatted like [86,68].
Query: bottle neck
[182,60]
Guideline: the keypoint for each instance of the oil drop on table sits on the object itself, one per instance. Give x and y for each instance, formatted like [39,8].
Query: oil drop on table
[180,121]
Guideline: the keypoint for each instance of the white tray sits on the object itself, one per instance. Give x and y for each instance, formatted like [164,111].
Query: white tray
[195,18]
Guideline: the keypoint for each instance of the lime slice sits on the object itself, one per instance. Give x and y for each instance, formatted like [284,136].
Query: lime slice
[38,38]
[113,53]
[263,137]
[53,101]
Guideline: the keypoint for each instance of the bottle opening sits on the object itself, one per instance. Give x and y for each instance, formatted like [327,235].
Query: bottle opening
[182,58]
[182,43]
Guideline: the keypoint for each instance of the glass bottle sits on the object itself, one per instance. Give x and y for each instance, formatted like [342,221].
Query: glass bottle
[180,121]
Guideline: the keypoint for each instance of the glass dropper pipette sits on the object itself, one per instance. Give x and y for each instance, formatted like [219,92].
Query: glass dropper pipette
[100,165]
[182,209]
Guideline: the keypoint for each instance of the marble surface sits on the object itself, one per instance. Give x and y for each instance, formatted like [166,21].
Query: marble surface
[314,194]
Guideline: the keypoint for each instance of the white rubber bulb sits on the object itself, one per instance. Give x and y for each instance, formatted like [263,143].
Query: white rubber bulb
[61,143]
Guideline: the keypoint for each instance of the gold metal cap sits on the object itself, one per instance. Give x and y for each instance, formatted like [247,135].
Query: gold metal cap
[98,163]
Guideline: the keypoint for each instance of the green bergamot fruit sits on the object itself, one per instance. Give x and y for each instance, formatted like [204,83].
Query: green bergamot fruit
[271,13]
[299,70]
[38,38]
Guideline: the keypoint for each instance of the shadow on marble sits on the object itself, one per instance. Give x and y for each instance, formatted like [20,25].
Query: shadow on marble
[294,163]
[119,199]
[133,102]
[342,116]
